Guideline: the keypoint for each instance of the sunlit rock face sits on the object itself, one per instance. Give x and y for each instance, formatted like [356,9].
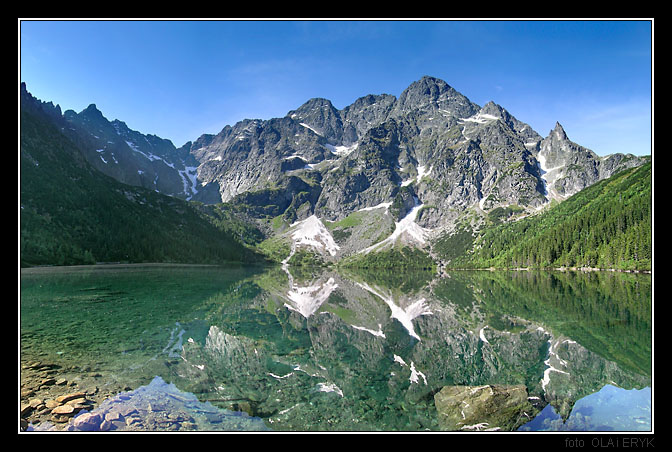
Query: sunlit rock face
[567,167]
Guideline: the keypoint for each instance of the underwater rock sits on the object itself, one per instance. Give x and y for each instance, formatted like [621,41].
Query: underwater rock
[483,408]
[158,406]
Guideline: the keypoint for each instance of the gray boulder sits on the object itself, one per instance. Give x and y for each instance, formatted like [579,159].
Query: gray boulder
[483,408]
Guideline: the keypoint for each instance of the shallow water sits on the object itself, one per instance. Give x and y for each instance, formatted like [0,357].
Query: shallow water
[319,350]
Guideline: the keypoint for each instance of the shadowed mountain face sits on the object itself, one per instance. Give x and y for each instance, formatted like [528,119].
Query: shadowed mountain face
[71,213]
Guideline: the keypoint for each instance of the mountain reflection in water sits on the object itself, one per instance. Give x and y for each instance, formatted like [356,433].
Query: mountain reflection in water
[320,350]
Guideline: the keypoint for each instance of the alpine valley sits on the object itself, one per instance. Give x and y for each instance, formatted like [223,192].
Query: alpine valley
[427,179]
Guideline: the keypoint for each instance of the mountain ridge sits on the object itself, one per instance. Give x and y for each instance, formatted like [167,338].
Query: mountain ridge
[72,214]
[430,152]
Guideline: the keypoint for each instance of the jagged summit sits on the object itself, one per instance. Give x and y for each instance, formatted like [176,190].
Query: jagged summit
[320,115]
[492,108]
[312,105]
[559,132]
[92,111]
[430,94]
[427,85]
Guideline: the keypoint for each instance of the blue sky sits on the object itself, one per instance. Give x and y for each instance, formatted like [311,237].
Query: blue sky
[180,79]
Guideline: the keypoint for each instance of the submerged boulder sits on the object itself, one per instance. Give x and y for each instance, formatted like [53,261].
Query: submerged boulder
[484,408]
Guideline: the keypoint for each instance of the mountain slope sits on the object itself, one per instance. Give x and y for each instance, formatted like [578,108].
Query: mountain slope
[607,225]
[126,155]
[452,154]
[70,213]
[382,173]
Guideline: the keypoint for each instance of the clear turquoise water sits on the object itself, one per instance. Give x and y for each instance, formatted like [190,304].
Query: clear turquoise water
[320,350]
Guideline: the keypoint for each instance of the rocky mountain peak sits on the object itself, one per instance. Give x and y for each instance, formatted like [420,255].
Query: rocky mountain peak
[30,102]
[559,132]
[568,167]
[369,100]
[311,104]
[431,95]
[92,112]
[319,115]
[496,110]
[92,108]
[427,89]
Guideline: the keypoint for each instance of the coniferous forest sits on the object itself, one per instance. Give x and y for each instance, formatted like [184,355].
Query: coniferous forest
[607,225]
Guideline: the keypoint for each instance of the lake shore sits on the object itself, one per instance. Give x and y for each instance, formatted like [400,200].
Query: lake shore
[55,393]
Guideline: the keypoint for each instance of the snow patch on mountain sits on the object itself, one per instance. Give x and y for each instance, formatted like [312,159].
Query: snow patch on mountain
[312,233]
[548,175]
[479,118]
[189,179]
[149,156]
[406,227]
[377,333]
[341,150]
[422,173]
[311,128]
[385,205]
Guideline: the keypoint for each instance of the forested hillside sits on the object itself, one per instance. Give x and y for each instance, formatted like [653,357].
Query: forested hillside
[72,214]
[607,225]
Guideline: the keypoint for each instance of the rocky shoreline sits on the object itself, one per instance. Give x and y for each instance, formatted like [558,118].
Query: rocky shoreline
[53,396]
[53,393]
[62,399]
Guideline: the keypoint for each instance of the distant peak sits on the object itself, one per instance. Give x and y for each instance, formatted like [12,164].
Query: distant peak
[427,80]
[92,110]
[420,91]
[493,108]
[559,131]
[318,101]
[311,104]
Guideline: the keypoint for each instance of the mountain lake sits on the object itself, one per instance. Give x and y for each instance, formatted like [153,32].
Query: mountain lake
[228,348]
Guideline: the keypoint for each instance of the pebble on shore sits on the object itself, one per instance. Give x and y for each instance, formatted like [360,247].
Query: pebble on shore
[47,395]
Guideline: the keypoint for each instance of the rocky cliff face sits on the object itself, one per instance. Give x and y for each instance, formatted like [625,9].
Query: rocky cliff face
[431,151]
[452,154]
[568,168]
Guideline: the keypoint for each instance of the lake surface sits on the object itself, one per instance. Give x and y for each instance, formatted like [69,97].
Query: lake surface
[236,348]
